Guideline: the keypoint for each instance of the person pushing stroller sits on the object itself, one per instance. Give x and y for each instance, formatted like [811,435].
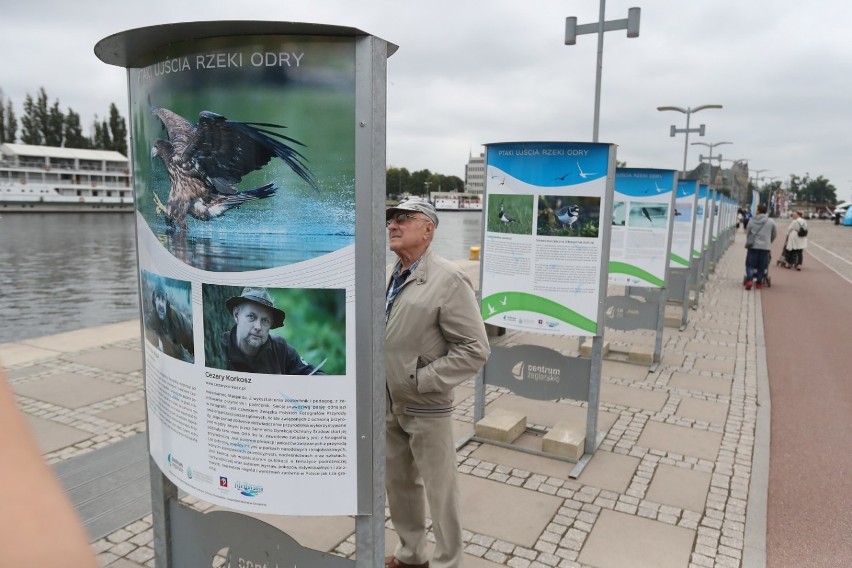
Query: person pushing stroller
[795,242]
[760,234]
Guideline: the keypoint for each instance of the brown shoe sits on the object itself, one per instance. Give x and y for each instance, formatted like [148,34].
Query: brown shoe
[393,562]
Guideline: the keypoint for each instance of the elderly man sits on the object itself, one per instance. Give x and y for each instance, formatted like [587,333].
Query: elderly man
[248,345]
[434,340]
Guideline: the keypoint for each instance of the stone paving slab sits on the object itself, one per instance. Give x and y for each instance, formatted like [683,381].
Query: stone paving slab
[127,414]
[633,397]
[679,487]
[700,383]
[619,541]
[113,359]
[681,440]
[521,514]
[71,390]
[610,471]
[51,436]
[703,410]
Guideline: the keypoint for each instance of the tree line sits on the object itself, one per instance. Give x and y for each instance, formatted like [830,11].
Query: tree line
[45,124]
[420,183]
[804,191]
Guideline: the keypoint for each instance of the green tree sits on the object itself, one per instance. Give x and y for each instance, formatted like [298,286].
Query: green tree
[31,131]
[101,139]
[74,137]
[118,130]
[821,192]
[9,124]
[54,132]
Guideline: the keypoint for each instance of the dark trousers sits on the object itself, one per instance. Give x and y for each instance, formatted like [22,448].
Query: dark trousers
[757,264]
[795,257]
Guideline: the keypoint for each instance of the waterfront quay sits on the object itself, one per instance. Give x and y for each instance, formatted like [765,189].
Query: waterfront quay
[680,479]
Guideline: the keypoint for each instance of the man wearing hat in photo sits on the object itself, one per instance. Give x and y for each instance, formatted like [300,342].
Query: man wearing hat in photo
[248,345]
[434,340]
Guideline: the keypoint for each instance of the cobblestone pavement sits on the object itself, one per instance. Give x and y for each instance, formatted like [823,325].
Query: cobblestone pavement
[675,467]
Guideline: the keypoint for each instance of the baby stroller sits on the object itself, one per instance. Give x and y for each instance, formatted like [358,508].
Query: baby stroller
[767,281]
[785,261]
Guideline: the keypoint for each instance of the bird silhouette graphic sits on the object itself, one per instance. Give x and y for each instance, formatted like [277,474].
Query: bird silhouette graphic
[647,214]
[568,215]
[491,310]
[583,174]
[503,216]
[657,187]
[504,300]
[563,177]
[206,161]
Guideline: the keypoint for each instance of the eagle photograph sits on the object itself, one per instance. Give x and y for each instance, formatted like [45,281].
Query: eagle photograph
[248,168]
[206,160]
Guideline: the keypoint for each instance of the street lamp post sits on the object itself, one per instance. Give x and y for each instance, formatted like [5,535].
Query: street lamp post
[710,157]
[688,112]
[572,30]
[739,196]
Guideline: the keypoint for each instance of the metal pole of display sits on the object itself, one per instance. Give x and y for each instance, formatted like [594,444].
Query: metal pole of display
[708,237]
[572,30]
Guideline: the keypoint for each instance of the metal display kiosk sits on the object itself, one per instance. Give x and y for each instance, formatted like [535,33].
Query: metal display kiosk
[227,204]
[681,267]
[643,216]
[546,239]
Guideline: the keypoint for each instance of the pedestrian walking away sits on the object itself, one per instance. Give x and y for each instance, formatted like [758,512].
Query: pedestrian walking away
[760,234]
[797,241]
[434,340]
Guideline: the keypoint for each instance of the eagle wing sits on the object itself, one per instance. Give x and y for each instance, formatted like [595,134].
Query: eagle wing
[180,130]
[224,150]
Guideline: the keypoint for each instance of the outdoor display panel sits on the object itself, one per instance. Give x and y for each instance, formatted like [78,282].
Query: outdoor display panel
[641,221]
[244,147]
[545,249]
[701,217]
[684,223]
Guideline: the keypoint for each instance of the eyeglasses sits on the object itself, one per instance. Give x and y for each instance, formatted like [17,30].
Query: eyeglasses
[402,218]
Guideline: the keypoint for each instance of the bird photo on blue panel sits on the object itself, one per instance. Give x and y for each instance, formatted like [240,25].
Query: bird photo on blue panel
[568,216]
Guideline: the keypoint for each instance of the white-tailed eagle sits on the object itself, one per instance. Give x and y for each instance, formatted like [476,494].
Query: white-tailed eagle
[205,162]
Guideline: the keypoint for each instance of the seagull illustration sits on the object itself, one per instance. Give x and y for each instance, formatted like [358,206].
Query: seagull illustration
[491,310]
[657,187]
[504,300]
[583,174]
[503,216]
[646,214]
[568,215]
[206,161]
[563,177]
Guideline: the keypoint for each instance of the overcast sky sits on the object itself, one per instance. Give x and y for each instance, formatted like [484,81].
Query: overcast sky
[472,72]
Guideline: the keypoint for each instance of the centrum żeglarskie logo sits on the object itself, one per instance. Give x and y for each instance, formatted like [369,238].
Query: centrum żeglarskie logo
[521,371]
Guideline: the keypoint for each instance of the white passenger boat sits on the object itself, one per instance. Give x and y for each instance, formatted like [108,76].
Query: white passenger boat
[450,201]
[45,179]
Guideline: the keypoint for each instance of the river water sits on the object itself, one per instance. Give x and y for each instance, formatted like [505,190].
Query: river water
[62,272]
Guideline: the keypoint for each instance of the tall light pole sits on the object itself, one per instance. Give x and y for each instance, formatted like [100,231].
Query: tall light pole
[572,30]
[740,196]
[756,177]
[688,112]
[710,157]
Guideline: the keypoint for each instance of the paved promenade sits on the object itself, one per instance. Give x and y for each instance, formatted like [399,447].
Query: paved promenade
[680,479]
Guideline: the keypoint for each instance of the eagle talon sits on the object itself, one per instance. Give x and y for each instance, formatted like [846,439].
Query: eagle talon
[158,206]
